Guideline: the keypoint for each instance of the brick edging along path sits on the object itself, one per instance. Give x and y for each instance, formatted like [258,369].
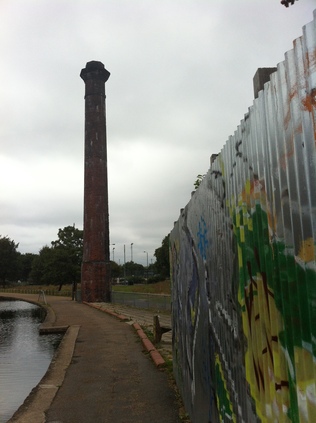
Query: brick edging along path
[148,345]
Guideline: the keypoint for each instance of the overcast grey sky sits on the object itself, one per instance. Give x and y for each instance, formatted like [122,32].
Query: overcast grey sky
[181,81]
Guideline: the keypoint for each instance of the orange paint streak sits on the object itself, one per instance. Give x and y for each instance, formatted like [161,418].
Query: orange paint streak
[287,117]
[309,105]
[289,153]
[310,58]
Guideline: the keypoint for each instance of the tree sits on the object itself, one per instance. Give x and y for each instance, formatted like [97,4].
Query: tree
[25,262]
[162,258]
[70,238]
[60,263]
[115,270]
[41,266]
[287,3]
[8,259]
[133,269]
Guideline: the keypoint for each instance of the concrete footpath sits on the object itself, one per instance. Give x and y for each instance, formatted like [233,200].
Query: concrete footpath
[105,369]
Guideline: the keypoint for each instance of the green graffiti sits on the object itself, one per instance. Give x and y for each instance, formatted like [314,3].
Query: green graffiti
[277,294]
[223,400]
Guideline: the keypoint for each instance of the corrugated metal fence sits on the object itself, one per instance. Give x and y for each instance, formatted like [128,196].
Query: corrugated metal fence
[243,262]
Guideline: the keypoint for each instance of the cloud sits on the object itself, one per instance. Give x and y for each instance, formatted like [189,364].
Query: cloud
[181,81]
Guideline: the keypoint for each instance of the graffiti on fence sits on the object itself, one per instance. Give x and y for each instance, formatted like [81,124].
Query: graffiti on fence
[243,262]
[275,289]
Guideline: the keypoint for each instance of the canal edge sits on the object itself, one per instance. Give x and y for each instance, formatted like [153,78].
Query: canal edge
[38,401]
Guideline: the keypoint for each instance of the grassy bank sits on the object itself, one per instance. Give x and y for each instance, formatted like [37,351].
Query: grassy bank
[163,287]
[155,288]
[35,289]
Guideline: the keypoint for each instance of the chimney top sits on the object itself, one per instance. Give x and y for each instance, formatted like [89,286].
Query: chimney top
[94,70]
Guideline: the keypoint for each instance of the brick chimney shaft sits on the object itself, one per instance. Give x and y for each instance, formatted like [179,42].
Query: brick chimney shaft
[95,272]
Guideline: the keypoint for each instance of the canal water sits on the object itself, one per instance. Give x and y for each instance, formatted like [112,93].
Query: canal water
[24,354]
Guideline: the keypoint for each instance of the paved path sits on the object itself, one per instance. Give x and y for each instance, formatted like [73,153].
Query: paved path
[145,318]
[100,374]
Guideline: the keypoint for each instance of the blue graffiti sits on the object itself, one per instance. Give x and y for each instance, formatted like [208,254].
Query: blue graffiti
[202,237]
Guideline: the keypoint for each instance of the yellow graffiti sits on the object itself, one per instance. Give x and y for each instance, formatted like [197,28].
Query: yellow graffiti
[266,370]
[224,403]
[307,250]
[271,370]
[305,369]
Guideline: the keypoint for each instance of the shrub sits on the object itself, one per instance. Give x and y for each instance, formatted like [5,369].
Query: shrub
[155,279]
[135,279]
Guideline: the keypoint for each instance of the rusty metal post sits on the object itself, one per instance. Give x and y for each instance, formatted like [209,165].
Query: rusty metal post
[95,272]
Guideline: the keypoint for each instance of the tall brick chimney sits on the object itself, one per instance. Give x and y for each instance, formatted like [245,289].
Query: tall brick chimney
[95,272]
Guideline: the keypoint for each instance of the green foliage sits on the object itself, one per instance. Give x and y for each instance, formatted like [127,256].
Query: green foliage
[70,238]
[153,288]
[135,279]
[155,279]
[162,264]
[8,259]
[115,270]
[132,269]
[40,265]
[25,263]
[198,181]
[60,263]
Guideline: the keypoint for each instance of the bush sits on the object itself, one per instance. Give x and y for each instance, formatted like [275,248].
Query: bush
[155,279]
[135,279]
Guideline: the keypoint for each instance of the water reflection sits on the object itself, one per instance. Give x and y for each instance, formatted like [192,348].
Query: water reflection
[24,354]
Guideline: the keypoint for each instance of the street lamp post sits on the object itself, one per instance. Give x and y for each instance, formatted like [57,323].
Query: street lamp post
[124,264]
[132,251]
[147,263]
[113,252]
